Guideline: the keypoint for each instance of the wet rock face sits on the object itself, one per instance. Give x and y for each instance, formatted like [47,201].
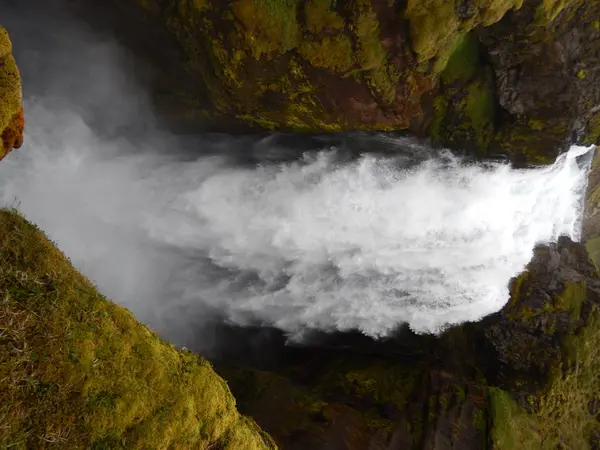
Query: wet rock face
[550,301]
[11,112]
[517,77]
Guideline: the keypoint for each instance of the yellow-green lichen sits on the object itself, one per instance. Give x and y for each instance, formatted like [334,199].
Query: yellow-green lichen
[435,25]
[493,10]
[319,16]
[333,53]
[10,82]
[372,57]
[270,26]
[78,372]
[548,10]
[570,299]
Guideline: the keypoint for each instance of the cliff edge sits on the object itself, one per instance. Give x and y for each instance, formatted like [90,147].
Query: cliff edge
[78,371]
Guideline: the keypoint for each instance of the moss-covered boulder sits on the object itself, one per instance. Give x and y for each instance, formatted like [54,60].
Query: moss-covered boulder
[79,372]
[11,111]
[517,77]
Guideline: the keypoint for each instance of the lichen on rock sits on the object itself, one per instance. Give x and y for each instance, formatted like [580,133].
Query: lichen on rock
[512,77]
[11,112]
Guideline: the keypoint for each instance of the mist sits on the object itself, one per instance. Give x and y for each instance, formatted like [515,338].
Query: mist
[188,230]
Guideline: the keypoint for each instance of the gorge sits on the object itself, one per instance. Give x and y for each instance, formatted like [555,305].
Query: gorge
[309,267]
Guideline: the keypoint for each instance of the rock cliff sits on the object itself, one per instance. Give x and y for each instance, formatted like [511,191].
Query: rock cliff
[513,77]
[79,372]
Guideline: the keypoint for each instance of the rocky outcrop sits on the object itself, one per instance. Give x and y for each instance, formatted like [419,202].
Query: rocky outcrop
[517,77]
[525,377]
[11,111]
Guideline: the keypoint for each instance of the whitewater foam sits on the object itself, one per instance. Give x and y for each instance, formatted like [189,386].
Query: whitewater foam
[315,243]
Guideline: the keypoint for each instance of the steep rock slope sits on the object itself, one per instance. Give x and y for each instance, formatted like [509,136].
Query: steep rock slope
[78,371]
[526,377]
[11,111]
[517,77]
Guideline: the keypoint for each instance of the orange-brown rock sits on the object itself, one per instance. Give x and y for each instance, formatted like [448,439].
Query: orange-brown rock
[12,136]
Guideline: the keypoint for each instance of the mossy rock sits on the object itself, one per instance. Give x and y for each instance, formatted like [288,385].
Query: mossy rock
[486,76]
[10,91]
[77,371]
[436,25]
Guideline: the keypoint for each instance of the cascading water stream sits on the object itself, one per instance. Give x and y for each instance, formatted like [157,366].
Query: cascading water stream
[324,241]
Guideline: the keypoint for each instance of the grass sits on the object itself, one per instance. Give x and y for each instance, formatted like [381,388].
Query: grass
[78,371]
[512,427]
[562,417]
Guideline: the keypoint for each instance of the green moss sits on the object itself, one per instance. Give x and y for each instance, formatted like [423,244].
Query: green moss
[320,17]
[494,10]
[463,59]
[78,371]
[383,381]
[10,82]
[271,26]
[593,248]
[372,57]
[571,298]
[479,421]
[592,135]
[435,26]
[548,10]
[333,53]
[440,105]
[512,427]
[564,407]
[479,109]
[581,74]
[5,43]
[520,139]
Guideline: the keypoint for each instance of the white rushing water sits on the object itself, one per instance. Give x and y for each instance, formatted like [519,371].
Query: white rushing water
[366,245]
[316,244]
